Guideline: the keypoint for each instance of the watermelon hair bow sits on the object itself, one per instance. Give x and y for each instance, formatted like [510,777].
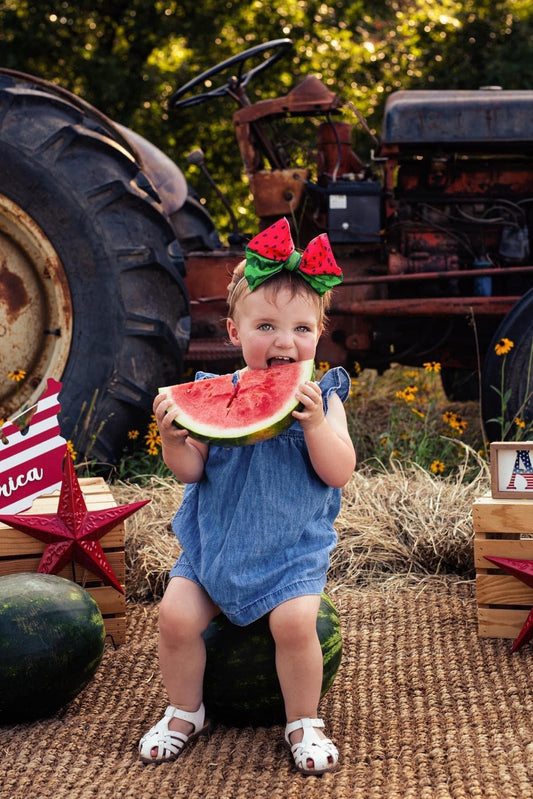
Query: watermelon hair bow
[273,250]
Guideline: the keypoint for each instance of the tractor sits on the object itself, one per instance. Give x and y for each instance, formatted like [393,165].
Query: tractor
[113,275]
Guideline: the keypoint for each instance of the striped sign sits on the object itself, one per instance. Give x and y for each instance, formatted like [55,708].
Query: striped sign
[31,452]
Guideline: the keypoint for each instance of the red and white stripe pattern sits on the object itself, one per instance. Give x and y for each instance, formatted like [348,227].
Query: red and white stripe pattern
[31,461]
[525,472]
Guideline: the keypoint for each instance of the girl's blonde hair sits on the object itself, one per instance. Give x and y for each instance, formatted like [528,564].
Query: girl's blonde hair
[238,288]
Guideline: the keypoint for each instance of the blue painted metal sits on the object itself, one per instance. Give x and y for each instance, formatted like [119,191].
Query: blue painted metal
[455,117]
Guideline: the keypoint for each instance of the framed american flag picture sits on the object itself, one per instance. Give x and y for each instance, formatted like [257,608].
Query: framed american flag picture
[511,469]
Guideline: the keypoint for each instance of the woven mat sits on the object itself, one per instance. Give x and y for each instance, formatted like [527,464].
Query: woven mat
[421,708]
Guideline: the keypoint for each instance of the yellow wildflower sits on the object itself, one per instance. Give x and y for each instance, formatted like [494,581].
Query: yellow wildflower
[519,422]
[357,367]
[455,421]
[17,375]
[407,394]
[418,413]
[437,467]
[503,346]
[152,444]
[323,366]
[152,438]
[70,448]
[432,366]
[133,434]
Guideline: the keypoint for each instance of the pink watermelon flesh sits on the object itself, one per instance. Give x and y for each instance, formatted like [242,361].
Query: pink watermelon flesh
[233,412]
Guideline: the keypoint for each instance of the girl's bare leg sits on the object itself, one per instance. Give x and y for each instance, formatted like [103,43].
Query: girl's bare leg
[299,663]
[185,612]
[298,657]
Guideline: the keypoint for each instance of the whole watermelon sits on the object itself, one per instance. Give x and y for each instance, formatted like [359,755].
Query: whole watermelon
[241,686]
[51,642]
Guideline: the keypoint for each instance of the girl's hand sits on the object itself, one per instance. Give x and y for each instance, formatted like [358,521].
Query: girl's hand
[184,456]
[312,413]
[165,412]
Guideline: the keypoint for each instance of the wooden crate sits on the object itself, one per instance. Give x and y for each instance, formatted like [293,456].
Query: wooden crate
[20,552]
[503,528]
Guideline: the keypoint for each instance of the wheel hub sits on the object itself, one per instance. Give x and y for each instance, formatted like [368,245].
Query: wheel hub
[35,310]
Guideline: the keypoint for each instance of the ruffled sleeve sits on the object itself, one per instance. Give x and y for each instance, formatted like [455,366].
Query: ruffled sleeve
[204,375]
[335,381]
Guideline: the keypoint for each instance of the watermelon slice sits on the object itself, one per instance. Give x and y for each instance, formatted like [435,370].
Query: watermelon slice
[234,410]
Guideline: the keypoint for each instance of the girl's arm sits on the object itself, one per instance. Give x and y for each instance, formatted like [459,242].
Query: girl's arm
[328,442]
[184,456]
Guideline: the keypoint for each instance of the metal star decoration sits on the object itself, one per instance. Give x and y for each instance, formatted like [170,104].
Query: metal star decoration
[74,532]
[523,571]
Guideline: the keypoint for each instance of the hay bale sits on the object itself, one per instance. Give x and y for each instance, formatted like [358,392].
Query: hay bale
[151,548]
[405,523]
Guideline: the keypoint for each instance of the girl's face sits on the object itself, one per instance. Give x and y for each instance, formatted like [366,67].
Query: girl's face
[275,328]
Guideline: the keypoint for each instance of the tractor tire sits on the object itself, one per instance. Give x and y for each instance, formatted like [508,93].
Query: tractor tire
[91,274]
[517,365]
[460,385]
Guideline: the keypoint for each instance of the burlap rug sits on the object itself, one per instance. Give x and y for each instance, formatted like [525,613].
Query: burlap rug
[421,708]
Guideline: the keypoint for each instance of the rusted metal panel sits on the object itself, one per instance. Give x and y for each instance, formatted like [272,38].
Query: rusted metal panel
[208,274]
[215,349]
[15,298]
[424,261]
[429,306]
[278,191]
[489,270]
[479,178]
[308,97]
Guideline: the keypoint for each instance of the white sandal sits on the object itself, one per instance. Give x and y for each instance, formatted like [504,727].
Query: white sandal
[321,751]
[170,743]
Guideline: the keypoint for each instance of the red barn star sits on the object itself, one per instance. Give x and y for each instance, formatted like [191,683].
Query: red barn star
[74,532]
[522,570]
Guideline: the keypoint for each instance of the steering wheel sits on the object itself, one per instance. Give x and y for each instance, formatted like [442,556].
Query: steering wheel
[236,81]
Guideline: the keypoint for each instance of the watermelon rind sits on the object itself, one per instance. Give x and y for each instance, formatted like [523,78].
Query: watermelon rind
[329,634]
[52,638]
[241,685]
[223,434]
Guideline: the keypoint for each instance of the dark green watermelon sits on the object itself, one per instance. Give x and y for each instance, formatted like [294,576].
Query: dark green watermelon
[51,642]
[241,686]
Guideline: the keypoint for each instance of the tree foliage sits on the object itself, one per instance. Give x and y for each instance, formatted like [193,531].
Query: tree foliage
[126,57]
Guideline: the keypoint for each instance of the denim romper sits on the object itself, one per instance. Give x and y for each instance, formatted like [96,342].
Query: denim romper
[257,529]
